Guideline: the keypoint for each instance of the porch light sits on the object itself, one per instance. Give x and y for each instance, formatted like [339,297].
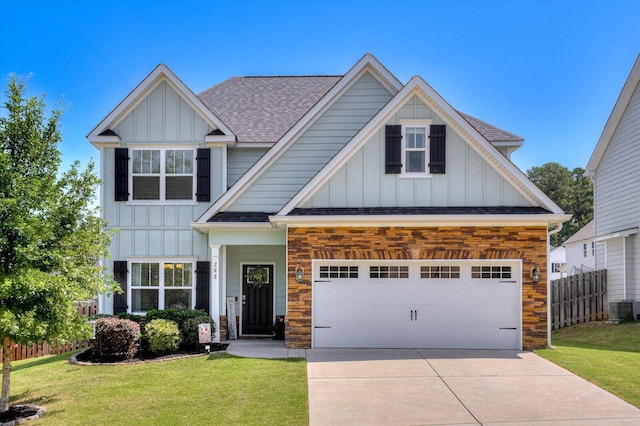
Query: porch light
[299,274]
[535,274]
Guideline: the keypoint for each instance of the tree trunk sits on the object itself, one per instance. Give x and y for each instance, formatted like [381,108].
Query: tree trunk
[6,373]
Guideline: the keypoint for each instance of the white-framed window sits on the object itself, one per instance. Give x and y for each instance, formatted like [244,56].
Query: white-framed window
[161,284]
[593,248]
[415,148]
[161,174]
[339,271]
[440,272]
[555,267]
[584,250]
[388,272]
[491,272]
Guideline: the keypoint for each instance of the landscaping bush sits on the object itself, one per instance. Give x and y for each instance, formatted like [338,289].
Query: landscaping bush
[187,320]
[132,317]
[162,336]
[116,339]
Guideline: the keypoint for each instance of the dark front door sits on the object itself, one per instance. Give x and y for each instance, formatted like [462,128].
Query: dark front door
[257,298]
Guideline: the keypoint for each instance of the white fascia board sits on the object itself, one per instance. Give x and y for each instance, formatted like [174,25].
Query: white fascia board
[220,139]
[619,234]
[420,220]
[159,74]
[204,227]
[105,141]
[417,86]
[367,63]
[614,118]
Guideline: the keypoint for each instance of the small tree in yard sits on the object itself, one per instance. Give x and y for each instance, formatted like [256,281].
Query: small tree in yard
[51,238]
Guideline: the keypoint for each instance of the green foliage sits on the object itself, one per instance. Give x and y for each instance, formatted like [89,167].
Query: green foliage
[51,237]
[116,339]
[572,191]
[162,336]
[132,317]
[187,320]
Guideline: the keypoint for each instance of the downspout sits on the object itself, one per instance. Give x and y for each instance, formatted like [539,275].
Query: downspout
[549,234]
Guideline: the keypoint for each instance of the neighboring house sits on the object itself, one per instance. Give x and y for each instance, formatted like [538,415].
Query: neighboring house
[370,213]
[614,167]
[557,261]
[581,250]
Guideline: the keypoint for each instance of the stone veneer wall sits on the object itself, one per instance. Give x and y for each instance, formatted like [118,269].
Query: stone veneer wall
[390,243]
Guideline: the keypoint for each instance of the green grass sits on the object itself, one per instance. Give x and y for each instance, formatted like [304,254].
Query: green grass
[216,389]
[605,354]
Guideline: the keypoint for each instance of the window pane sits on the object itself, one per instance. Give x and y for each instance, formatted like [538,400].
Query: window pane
[137,161]
[411,139]
[188,162]
[146,188]
[179,188]
[169,162]
[419,137]
[177,299]
[415,162]
[169,269]
[144,299]
[155,161]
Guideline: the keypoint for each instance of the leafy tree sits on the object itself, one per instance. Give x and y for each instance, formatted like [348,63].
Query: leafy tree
[571,190]
[51,237]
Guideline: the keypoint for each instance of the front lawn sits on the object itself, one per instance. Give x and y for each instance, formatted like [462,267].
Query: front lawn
[605,354]
[216,389]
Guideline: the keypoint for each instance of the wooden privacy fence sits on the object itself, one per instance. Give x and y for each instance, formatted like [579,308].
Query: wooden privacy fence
[86,309]
[578,298]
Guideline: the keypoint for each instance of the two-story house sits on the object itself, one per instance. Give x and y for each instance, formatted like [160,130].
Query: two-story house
[367,212]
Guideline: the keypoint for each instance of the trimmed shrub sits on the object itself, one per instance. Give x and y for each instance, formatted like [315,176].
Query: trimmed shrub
[187,320]
[116,339]
[162,336]
[132,317]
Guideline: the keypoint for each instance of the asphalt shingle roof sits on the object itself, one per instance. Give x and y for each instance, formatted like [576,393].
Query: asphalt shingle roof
[263,109]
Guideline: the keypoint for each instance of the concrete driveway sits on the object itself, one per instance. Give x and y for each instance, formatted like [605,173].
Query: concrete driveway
[453,387]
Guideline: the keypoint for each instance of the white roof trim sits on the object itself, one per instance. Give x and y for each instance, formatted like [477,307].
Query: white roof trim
[452,118]
[619,234]
[159,74]
[421,220]
[367,63]
[614,119]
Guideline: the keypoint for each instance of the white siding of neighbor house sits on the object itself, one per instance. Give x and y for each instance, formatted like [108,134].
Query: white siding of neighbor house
[239,160]
[617,204]
[469,180]
[311,151]
[236,255]
[576,258]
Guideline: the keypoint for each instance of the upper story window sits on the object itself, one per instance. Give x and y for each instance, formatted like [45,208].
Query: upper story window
[162,174]
[415,148]
[584,250]
[415,157]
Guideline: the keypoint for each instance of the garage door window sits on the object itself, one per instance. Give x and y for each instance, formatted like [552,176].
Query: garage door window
[439,272]
[388,272]
[491,272]
[339,271]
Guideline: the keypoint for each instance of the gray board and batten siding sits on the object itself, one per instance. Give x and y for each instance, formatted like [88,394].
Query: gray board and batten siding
[469,181]
[312,150]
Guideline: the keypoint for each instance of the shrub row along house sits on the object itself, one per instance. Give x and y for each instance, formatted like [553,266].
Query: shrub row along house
[368,212]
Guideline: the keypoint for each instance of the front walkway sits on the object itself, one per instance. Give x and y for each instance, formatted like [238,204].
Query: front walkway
[262,348]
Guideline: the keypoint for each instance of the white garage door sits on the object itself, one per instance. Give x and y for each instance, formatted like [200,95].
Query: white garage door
[417,304]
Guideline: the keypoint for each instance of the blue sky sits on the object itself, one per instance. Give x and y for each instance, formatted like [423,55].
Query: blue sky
[549,71]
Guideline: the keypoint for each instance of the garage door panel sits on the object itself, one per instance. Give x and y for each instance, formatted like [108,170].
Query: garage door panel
[417,313]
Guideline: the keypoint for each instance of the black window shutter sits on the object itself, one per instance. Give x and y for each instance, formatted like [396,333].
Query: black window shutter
[202,285]
[437,148]
[393,149]
[122,174]
[120,275]
[203,191]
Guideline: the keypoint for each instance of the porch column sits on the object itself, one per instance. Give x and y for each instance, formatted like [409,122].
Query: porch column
[215,290]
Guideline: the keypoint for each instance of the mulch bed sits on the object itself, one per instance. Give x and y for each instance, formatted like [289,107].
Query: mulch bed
[87,358]
[20,413]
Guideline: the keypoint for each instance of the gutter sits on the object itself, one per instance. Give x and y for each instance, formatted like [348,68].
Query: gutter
[549,234]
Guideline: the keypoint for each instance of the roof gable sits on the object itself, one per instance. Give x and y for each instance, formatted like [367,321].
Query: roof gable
[626,94]
[417,86]
[367,64]
[586,233]
[102,133]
